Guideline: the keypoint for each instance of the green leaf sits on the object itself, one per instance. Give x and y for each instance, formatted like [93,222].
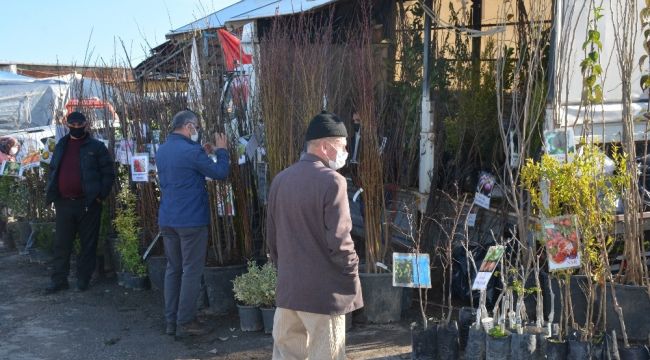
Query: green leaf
[645,82]
[584,65]
[594,35]
[598,94]
[597,70]
[598,44]
[642,60]
[645,12]
[598,12]
[590,80]
[593,56]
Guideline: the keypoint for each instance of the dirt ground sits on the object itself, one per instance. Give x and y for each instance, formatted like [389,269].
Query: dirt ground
[110,322]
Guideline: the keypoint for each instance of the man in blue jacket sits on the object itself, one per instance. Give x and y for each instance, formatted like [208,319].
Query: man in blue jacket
[184,216]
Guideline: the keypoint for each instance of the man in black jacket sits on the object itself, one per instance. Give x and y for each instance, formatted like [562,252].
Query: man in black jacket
[81,177]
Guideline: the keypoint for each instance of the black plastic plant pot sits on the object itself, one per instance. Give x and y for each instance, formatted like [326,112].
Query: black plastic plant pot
[603,349]
[218,282]
[447,338]
[267,319]
[475,349]
[250,318]
[540,351]
[634,353]
[424,343]
[156,267]
[382,302]
[523,346]
[579,350]
[497,348]
[556,350]
[466,317]
[132,281]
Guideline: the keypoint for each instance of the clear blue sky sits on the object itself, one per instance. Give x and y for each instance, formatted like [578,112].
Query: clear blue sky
[51,31]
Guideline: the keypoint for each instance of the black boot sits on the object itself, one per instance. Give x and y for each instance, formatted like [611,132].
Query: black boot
[54,287]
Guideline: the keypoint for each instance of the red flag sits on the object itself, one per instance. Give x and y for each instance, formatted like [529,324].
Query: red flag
[232,51]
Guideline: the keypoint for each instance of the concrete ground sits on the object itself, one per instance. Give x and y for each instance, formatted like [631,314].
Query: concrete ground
[110,322]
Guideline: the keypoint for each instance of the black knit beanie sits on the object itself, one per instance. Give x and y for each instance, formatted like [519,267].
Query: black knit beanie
[325,124]
[76,117]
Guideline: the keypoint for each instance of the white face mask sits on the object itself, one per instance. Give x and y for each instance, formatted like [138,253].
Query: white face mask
[13,150]
[194,136]
[341,157]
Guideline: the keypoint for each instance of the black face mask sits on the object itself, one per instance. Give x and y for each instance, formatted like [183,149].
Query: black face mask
[77,132]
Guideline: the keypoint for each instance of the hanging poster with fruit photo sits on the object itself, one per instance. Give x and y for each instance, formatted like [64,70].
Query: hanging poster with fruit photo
[10,168]
[140,167]
[31,160]
[561,242]
[48,151]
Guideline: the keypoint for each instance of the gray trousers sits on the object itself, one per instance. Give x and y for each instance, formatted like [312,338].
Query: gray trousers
[185,249]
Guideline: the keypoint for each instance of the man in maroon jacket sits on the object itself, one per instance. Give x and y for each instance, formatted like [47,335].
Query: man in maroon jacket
[81,178]
[308,234]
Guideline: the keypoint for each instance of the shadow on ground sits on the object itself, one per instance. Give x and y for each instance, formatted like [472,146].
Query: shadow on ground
[110,322]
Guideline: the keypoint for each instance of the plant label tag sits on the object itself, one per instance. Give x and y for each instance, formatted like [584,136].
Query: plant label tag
[514,160]
[560,144]
[411,270]
[481,281]
[488,265]
[562,242]
[471,219]
[482,200]
[140,167]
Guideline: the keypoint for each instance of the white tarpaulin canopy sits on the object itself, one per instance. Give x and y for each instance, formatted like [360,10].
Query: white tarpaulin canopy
[27,102]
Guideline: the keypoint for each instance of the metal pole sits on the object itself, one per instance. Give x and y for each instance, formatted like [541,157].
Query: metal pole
[426,117]
[552,110]
[477,19]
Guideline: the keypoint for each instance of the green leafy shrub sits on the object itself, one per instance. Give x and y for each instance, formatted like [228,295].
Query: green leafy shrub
[13,195]
[268,282]
[256,287]
[579,187]
[126,226]
[44,236]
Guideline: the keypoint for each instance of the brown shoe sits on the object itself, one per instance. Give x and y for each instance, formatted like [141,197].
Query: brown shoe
[192,328]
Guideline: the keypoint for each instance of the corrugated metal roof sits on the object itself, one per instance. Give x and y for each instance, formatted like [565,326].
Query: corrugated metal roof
[218,19]
[249,10]
[279,8]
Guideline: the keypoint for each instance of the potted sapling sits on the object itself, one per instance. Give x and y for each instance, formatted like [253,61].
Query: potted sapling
[268,277]
[250,296]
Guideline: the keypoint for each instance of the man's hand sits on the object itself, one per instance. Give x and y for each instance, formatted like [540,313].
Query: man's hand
[220,140]
[209,149]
